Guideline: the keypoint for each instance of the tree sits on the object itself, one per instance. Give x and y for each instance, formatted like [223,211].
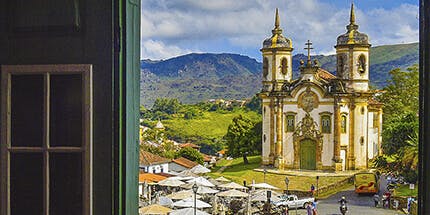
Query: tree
[402,93]
[399,137]
[191,154]
[165,105]
[243,138]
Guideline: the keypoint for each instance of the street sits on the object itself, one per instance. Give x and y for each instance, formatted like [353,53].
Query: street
[357,204]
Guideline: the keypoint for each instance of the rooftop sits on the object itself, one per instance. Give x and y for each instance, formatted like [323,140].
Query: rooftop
[147,158]
[185,162]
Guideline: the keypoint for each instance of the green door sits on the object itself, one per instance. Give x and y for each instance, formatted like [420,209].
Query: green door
[307,154]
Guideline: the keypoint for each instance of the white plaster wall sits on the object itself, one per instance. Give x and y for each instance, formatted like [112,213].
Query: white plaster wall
[344,137]
[266,130]
[360,130]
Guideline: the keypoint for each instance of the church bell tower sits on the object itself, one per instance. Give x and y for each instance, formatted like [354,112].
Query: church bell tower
[277,59]
[352,51]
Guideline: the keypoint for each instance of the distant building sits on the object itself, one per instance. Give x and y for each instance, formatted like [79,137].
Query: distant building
[151,163]
[192,145]
[180,164]
[319,120]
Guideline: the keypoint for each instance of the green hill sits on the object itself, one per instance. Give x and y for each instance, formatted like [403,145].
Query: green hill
[198,77]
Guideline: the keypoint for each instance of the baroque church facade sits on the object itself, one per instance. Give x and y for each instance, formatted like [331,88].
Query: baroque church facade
[319,121]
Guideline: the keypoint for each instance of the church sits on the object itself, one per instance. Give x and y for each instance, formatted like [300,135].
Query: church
[319,121]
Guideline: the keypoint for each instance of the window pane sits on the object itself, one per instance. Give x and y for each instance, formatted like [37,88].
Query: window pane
[65,188]
[26,183]
[66,110]
[27,110]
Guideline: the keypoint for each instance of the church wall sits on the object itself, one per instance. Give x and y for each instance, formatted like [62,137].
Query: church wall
[360,136]
[287,142]
[344,137]
[266,131]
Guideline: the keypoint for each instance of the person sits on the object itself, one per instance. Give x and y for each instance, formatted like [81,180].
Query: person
[312,189]
[309,208]
[314,207]
[376,199]
[343,202]
[410,199]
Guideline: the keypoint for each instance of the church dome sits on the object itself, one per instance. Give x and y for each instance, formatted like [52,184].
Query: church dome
[277,40]
[352,36]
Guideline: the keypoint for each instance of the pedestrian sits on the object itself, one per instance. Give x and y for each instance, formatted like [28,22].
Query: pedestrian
[309,208]
[312,189]
[314,207]
[376,199]
[410,199]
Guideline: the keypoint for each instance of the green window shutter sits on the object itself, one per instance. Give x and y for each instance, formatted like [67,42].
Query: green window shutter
[290,123]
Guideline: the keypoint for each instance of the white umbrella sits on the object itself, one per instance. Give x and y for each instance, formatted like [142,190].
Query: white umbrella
[188,173]
[188,211]
[201,182]
[232,185]
[155,209]
[199,169]
[206,190]
[183,194]
[189,202]
[213,181]
[262,197]
[170,182]
[264,186]
[164,201]
[233,193]
[222,179]
[274,193]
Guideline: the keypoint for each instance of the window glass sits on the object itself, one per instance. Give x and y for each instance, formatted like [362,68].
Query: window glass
[26,183]
[65,187]
[27,110]
[326,124]
[290,123]
[66,110]
[343,124]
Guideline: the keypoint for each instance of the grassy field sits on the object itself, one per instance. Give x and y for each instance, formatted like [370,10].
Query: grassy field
[210,125]
[238,172]
[403,190]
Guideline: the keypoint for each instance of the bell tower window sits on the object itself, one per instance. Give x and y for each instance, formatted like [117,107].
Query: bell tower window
[265,67]
[362,64]
[284,66]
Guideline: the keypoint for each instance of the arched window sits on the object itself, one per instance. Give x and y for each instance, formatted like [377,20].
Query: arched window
[340,63]
[265,67]
[290,122]
[362,64]
[343,124]
[284,66]
[326,124]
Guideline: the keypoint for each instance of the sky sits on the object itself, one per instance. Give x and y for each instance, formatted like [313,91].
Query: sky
[170,28]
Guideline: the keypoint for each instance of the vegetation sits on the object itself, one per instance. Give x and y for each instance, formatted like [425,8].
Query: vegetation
[238,172]
[204,124]
[243,137]
[400,139]
[190,154]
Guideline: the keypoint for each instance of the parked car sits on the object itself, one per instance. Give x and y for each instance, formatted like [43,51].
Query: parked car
[291,201]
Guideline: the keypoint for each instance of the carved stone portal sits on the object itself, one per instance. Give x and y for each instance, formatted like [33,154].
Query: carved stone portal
[307,129]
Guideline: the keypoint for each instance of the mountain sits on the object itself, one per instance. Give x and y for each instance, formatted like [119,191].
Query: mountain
[198,77]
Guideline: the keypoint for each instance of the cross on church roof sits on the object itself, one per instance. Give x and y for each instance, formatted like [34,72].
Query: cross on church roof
[309,43]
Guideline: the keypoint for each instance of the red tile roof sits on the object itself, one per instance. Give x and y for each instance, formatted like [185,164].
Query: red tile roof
[206,158]
[192,145]
[150,177]
[147,158]
[184,162]
[325,74]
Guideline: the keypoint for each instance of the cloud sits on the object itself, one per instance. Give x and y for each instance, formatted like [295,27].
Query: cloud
[158,50]
[189,25]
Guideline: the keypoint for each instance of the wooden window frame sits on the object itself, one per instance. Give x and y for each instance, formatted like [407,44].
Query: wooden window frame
[87,127]
[323,130]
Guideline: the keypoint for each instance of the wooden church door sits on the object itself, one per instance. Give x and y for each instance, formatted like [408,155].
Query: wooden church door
[308,154]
